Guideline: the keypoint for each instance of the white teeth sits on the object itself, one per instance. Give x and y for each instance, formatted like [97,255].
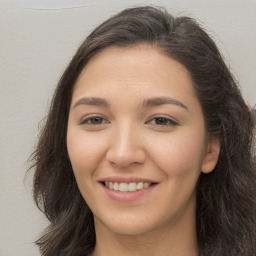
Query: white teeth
[146,184]
[116,186]
[110,185]
[127,187]
[140,186]
[132,186]
[123,187]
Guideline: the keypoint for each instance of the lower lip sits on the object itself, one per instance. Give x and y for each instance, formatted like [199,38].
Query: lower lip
[127,196]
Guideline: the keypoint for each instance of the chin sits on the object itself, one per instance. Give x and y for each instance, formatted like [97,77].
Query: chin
[127,225]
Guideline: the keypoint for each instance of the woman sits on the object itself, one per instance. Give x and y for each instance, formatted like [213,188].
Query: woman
[147,149]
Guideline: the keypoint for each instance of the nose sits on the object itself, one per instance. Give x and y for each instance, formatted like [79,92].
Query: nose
[126,148]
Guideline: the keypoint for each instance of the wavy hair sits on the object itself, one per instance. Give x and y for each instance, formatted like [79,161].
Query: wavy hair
[226,198]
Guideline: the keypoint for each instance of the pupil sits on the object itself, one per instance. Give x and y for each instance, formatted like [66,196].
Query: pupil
[96,120]
[161,121]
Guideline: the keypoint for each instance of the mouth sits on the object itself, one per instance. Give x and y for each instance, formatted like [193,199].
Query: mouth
[127,187]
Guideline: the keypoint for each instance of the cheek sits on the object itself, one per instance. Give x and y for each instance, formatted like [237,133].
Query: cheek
[179,154]
[85,151]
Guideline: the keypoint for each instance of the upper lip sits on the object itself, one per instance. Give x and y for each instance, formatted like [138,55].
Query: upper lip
[121,179]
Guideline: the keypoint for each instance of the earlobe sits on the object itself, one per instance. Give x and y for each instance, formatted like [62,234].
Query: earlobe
[212,155]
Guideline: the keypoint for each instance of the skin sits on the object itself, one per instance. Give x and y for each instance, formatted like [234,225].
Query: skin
[165,143]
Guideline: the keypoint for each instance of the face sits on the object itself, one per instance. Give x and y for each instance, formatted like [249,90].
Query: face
[137,141]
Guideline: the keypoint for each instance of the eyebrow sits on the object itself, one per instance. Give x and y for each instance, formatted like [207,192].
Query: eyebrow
[93,101]
[152,102]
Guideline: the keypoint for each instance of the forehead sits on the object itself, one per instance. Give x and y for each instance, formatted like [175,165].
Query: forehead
[142,68]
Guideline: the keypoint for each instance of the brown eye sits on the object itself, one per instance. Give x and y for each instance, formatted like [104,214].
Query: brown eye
[162,121]
[95,120]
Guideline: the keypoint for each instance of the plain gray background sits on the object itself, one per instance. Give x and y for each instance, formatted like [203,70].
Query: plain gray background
[38,38]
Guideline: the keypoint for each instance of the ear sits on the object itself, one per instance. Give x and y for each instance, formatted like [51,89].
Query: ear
[211,155]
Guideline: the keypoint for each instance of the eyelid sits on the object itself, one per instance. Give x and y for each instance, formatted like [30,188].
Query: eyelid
[173,121]
[90,116]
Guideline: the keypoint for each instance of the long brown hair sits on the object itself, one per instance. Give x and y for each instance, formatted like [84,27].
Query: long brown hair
[226,198]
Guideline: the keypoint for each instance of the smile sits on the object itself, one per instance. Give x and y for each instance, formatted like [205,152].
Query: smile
[127,187]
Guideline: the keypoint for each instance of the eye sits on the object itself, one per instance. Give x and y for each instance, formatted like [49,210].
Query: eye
[94,120]
[162,121]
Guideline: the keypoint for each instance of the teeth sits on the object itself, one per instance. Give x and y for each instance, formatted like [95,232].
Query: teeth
[146,185]
[127,187]
[132,186]
[109,185]
[123,187]
[139,186]
[116,186]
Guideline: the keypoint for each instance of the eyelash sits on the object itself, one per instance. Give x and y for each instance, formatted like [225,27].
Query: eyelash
[88,120]
[168,121]
[165,121]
